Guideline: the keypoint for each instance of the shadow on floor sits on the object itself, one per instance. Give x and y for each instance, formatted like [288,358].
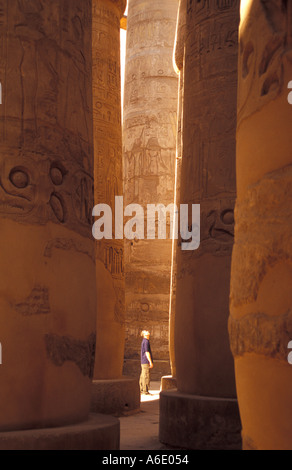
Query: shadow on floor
[140,431]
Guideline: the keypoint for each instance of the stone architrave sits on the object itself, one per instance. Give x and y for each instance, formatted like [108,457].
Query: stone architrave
[111,392]
[47,273]
[149,152]
[260,321]
[204,363]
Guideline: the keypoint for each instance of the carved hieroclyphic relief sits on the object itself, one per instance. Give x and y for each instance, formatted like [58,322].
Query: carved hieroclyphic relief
[48,115]
[46,199]
[255,252]
[207,178]
[108,173]
[37,303]
[82,353]
[211,56]
[261,60]
[260,323]
[149,150]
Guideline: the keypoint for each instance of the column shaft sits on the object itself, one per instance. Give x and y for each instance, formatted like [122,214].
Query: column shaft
[261,298]
[203,358]
[108,184]
[204,363]
[150,110]
[48,300]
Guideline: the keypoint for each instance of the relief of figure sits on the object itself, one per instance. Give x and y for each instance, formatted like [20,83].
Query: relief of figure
[260,322]
[261,60]
[48,296]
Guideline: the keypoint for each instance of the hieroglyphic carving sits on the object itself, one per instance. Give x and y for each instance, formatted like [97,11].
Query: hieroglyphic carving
[270,242]
[261,58]
[107,122]
[260,323]
[37,303]
[261,334]
[207,178]
[198,6]
[64,348]
[108,179]
[149,168]
[150,123]
[114,259]
[34,191]
[46,195]
[45,123]
[211,49]
[67,244]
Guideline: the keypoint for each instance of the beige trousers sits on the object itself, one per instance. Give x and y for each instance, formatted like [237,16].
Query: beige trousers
[145,378]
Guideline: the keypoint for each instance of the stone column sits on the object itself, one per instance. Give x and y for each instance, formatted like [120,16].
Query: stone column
[149,141]
[111,392]
[168,382]
[261,298]
[204,364]
[48,287]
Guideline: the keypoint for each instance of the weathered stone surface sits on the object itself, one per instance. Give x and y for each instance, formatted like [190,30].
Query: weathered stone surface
[108,184]
[203,412]
[168,382]
[261,334]
[98,432]
[47,278]
[46,130]
[179,52]
[204,362]
[149,140]
[117,397]
[261,300]
[61,349]
[199,423]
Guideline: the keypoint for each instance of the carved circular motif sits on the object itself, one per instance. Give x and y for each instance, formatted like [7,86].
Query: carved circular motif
[56,176]
[19,178]
[57,173]
[228,217]
[57,206]
[145,307]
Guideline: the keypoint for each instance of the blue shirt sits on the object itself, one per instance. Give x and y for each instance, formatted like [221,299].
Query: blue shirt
[145,346]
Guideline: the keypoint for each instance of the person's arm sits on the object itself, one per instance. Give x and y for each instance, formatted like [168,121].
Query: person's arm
[148,355]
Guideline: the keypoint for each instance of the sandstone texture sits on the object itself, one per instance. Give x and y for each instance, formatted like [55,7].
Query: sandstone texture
[108,183]
[149,152]
[204,363]
[47,286]
[260,321]
[203,412]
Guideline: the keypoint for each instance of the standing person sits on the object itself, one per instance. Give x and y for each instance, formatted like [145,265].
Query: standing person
[146,363]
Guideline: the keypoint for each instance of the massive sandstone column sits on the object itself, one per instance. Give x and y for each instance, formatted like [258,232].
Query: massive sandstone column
[261,296]
[110,393]
[150,108]
[47,288]
[168,382]
[204,364]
